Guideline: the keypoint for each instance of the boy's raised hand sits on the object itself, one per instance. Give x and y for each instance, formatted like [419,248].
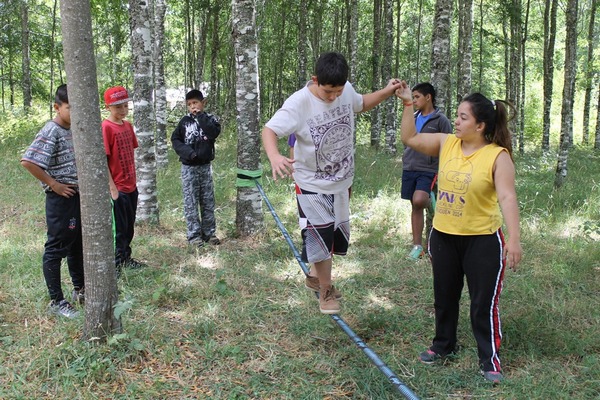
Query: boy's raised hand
[403,91]
[393,85]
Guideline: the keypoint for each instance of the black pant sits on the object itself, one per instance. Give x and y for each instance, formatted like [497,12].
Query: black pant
[63,219]
[124,208]
[479,258]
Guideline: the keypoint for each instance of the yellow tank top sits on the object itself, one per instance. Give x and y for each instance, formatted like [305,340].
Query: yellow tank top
[467,203]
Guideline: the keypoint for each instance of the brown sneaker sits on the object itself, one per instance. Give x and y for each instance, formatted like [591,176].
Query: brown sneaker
[312,283]
[328,303]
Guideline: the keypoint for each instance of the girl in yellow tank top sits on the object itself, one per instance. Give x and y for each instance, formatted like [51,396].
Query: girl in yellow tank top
[467,203]
[476,188]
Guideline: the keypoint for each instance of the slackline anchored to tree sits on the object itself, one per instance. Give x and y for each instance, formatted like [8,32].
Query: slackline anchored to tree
[398,384]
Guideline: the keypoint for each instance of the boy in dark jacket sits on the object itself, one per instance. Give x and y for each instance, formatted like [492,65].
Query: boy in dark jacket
[194,142]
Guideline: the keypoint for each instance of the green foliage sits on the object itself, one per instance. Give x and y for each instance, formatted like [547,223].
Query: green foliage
[16,128]
[278,41]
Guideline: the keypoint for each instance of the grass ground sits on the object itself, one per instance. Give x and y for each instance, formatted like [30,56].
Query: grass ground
[234,321]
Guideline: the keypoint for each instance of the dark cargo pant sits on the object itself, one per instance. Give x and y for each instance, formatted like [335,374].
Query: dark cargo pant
[198,191]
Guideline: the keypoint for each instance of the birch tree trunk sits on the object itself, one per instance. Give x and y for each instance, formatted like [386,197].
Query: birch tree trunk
[249,214]
[465,48]
[418,55]
[440,52]
[160,90]
[302,44]
[353,39]
[52,58]
[481,18]
[514,57]
[566,130]
[521,101]
[589,74]
[549,41]
[25,56]
[398,5]
[390,104]
[597,140]
[96,216]
[201,50]
[376,71]
[506,49]
[316,28]
[214,54]
[277,93]
[188,49]
[143,110]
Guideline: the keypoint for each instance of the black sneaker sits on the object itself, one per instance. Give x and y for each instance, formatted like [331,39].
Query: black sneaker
[78,296]
[213,240]
[197,243]
[62,308]
[429,357]
[134,264]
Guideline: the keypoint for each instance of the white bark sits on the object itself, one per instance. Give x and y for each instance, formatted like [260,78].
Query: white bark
[160,90]
[589,73]
[25,56]
[249,216]
[390,104]
[143,110]
[302,44]
[550,10]
[597,133]
[440,52]
[353,40]
[376,70]
[465,48]
[566,130]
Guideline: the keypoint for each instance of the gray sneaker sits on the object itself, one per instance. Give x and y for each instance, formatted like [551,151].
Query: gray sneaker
[493,376]
[78,296]
[63,308]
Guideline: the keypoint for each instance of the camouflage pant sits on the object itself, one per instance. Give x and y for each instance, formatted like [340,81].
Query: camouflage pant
[198,191]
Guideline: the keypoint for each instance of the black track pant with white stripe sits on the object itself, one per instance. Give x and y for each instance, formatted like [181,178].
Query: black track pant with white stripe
[479,259]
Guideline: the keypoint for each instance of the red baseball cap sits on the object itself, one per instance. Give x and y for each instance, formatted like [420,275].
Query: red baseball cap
[116,95]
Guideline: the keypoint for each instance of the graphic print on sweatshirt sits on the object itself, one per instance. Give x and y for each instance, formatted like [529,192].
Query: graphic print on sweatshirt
[193,133]
[331,132]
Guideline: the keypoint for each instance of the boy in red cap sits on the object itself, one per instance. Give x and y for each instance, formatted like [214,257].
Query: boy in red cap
[119,144]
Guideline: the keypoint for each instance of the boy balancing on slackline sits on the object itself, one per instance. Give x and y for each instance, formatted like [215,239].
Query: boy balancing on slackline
[321,115]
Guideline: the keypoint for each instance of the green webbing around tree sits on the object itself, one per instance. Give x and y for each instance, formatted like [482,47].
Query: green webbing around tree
[246,178]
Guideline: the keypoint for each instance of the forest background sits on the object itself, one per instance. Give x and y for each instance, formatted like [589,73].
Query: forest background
[235,323]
